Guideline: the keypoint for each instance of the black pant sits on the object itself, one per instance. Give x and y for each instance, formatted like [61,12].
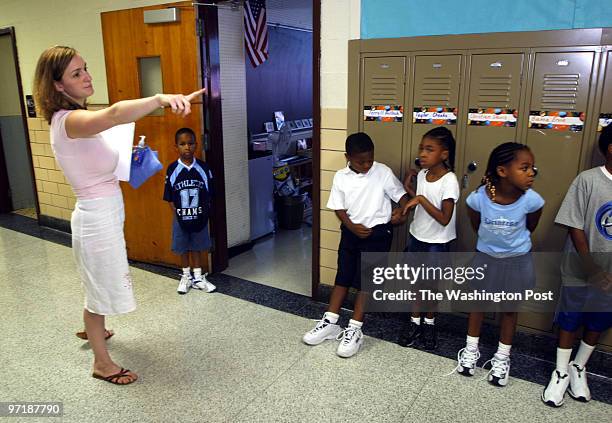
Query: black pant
[351,247]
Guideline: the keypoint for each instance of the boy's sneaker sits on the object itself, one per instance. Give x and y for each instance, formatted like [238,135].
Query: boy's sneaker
[351,340]
[500,370]
[555,390]
[429,336]
[184,284]
[203,284]
[467,359]
[322,331]
[409,335]
[578,389]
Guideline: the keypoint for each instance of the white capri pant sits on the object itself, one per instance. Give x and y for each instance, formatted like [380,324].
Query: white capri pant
[99,250]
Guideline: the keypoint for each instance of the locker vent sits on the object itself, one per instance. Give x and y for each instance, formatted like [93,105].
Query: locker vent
[437,90]
[384,90]
[494,91]
[559,91]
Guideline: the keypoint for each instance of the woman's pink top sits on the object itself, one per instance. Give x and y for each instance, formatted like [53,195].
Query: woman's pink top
[88,163]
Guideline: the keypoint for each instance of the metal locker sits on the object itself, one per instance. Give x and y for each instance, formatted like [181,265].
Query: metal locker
[605,109]
[383,88]
[493,103]
[604,119]
[557,109]
[383,107]
[437,80]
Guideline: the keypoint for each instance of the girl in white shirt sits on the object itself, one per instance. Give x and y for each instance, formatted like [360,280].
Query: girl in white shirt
[433,226]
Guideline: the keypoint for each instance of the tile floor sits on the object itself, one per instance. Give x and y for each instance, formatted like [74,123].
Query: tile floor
[218,358]
[282,260]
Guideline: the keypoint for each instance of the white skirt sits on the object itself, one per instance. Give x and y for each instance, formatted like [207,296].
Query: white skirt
[99,250]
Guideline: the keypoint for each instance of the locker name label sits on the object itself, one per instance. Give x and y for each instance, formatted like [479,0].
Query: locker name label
[557,120]
[434,115]
[605,119]
[383,113]
[492,117]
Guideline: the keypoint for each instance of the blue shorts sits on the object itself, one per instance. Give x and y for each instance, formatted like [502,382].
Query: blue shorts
[570,321]
[417,246]
[183,241]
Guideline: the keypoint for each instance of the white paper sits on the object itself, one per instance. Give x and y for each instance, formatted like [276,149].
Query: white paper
[121,138]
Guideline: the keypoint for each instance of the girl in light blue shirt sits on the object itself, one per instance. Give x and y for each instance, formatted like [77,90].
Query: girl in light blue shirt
[504,211]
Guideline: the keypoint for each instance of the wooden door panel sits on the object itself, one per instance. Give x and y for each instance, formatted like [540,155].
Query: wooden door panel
[148,226]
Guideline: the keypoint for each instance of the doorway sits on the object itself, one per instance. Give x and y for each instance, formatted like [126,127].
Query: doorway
[150,50]
[280,122]
[17,188]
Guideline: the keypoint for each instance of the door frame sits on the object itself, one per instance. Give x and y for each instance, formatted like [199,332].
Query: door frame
[210,73]
[10,31]
[316,147]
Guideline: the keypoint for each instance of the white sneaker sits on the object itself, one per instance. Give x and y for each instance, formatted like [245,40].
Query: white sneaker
[322,331]
[203,284]
[555,390]
[466,361]
[500,370]
[184,284]
[351,340]
[578,389]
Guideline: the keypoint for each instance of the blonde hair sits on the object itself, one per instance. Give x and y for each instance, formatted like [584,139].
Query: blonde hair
[51,65]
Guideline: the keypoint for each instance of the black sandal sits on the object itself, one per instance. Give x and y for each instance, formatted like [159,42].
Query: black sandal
[83,335]
[114,379]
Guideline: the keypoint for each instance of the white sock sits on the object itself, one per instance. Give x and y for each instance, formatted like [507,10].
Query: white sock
[415,320]
[563,359]
[430,321]
[583,354]
[503,349]
[197,273]
[186,270]
[331,317]
[355,323]
[471,343]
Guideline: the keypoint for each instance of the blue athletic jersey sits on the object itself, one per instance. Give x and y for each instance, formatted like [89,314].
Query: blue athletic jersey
[190,190]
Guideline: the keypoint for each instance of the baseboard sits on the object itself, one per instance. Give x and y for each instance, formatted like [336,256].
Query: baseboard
[54,223]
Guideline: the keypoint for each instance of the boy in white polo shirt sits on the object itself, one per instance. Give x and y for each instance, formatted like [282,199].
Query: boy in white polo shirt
[361,196]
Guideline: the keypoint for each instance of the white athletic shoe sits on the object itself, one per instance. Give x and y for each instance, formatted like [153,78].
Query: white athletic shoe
[554,392]
[322,331]
[184,284]
[203,284]
[466,361]
[500,370]
[578,389]
[351,340]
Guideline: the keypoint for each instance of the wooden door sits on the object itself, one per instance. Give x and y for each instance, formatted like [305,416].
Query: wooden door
[127,41]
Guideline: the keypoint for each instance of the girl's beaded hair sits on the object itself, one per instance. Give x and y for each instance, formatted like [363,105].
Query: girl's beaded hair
[501,155]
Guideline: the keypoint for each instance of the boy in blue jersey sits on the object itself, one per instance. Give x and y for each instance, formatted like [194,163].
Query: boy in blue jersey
[188,190]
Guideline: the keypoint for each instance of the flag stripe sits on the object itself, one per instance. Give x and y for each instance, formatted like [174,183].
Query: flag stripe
[255,31]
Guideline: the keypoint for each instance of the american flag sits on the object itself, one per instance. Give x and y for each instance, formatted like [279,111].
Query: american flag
[255,31]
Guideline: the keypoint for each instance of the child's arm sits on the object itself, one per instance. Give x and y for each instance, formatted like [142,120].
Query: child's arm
[596,275]
[533,219]
[443,216]
[474,218]
[410,182]
[400,214]
[358,229]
